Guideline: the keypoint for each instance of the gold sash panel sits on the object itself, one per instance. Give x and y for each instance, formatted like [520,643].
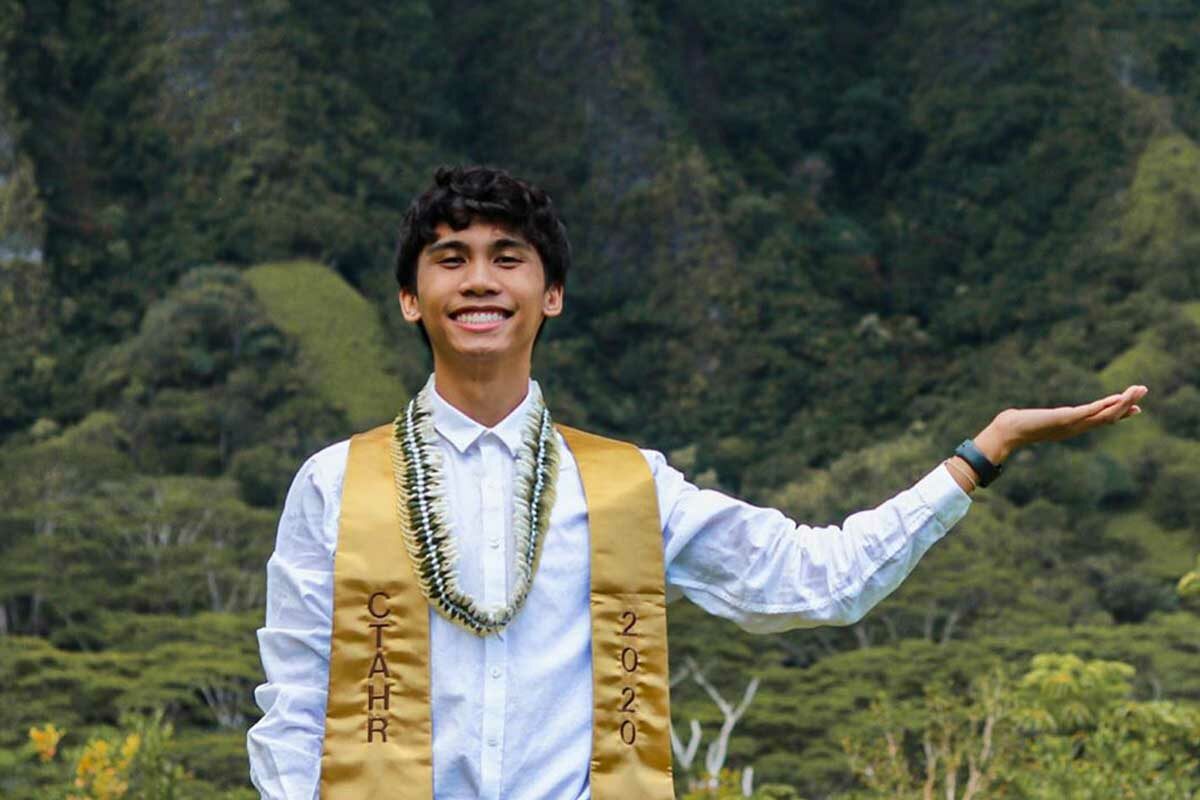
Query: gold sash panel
[378,731]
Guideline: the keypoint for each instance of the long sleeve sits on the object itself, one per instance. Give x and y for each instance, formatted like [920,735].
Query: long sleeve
[285,745]
[765,572]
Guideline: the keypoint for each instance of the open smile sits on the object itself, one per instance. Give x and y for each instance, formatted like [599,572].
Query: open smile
[480,320]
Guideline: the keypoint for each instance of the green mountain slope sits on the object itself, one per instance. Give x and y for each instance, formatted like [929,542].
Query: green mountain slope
[342,343]
[816,245]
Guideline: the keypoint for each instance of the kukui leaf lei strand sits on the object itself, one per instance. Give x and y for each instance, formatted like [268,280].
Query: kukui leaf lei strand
[424,516]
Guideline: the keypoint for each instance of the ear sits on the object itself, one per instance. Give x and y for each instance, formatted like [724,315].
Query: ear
[409,307]
[552,300]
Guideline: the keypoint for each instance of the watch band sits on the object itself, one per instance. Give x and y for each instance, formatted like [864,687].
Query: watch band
[987,471]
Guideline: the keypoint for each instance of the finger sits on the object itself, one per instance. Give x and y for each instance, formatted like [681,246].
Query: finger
[1094,410]
[1117,404]
[1107,415]
[1119,409]
[1096,405]
[1123,409]
[1135,392]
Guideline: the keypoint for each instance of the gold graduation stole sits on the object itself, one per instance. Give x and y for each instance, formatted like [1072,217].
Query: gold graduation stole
[378,731]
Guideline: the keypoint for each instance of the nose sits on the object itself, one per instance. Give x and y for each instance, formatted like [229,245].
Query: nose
[478,277]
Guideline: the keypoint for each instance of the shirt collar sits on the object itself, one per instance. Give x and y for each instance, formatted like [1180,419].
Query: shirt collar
[462,431]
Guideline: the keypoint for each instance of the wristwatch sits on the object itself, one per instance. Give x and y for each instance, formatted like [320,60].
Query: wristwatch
[987,471]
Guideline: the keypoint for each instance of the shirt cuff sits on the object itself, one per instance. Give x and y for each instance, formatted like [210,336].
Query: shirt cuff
[941,492]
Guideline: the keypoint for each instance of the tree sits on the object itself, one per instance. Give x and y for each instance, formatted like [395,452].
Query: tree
[1066,728]
[1189,584]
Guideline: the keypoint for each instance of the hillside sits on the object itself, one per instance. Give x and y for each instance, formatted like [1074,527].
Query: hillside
[816,246]
[347,354]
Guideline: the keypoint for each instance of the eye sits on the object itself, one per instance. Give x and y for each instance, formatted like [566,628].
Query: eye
[449,260]
[510,259]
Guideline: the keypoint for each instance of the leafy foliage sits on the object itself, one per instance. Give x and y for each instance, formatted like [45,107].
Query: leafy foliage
[816,245]
[132,761]
[1066,728]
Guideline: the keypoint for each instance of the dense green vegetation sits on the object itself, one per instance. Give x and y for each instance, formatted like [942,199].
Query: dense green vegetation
[816,245]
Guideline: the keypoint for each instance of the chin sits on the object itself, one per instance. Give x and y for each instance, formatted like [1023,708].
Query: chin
[482,350]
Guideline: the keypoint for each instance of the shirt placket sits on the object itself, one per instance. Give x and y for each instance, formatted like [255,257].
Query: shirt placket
[494,596]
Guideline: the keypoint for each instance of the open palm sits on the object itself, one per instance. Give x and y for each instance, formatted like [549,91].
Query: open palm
[1029,425]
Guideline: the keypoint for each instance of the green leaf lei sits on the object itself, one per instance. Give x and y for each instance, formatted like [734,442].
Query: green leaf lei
[424,516]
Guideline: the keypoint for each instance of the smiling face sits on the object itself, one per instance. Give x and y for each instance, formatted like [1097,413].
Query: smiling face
[481,295]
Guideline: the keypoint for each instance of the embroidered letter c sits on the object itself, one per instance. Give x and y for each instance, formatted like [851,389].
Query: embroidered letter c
[371,605]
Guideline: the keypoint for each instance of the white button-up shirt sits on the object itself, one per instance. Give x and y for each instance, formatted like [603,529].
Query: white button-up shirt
[512,712]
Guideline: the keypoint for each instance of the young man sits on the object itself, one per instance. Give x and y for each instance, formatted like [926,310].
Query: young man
[468,602]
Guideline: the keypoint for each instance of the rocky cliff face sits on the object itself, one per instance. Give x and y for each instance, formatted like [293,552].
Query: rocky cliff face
[22,215]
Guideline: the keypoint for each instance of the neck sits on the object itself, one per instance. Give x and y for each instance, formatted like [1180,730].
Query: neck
[485,395]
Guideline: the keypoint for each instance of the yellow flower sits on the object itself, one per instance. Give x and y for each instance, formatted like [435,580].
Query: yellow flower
[128,750]
[94,758]
[100,773]
[109,785]
[45,740]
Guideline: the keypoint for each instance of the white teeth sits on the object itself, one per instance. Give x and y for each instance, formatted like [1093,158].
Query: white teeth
[480,317]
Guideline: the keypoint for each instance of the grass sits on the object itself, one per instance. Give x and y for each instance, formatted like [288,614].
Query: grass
[1165,554]
[1191,311]
[1145,363]
[1166,185]
[341,337]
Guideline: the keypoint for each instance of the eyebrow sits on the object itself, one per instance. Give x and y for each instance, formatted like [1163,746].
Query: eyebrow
[457,244]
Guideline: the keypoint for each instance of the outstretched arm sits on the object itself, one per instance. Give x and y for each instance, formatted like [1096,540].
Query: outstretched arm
[767,573]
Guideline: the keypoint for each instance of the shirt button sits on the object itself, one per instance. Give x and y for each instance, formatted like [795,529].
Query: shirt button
[494,542]
[493,741]
[496,672]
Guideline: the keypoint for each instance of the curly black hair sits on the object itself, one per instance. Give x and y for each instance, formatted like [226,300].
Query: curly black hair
[461,194]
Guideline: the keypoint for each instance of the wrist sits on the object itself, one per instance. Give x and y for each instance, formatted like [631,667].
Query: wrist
[995,442]
[962,472]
